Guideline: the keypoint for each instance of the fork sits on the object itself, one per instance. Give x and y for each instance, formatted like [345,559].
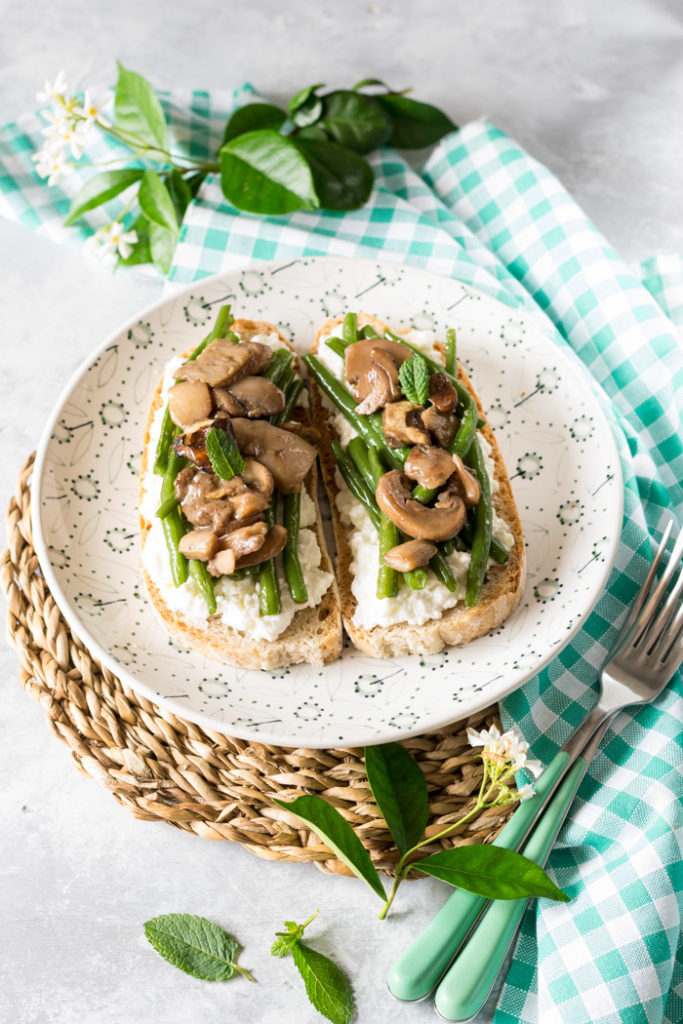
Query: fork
[646,653]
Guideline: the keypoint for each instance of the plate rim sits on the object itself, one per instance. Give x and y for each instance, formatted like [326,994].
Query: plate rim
[204,719]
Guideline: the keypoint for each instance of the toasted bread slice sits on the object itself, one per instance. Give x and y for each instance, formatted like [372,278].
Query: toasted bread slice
[502,588]
[314,635]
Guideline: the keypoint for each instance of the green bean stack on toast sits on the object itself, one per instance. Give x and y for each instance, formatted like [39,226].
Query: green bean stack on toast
[430,550]
[233,552]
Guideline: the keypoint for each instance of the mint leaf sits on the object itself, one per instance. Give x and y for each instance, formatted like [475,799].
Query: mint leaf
[334,830]
[414,378]
[400,790]
[327,987]
[137,109]
[491,871]
[224,455]
[195,945]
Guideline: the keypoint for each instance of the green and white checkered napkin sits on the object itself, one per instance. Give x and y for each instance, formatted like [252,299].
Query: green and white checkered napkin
[483,211]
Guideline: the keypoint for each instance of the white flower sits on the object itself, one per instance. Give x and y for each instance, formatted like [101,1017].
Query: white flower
[90,111]
[55,92]
[111,241]
[504,748]
[525,792]
[50,162]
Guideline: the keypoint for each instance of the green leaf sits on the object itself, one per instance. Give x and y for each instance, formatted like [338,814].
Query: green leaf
[195,945]
[491,871]
[156,203]
[415,124]
[302,96]
[224,455]
[313,132]
[262,172]
[308,113]
[100,189]
[284,941]
[365,82]
[180,193]
[414,378]
[141,250]
[334,830]
[327,987]
[343,179]
[162,245]
[400,790]
[355,120]
[252,117]
[137,109]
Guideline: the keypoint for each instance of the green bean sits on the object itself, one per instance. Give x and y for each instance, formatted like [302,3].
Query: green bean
[358,450]
[166,434]
[173,524]
[280,359]
[238,574]
[204,583]
[483,522]
[168,428]
[291,395]
[416,579]
[448,546]
[167,506]
[268,582]
[338,346]
[293,571]
[480,423]
[499,553]
[355,483]
[442,570]
[368,332]
[350,328]
[387,578]
[451,359]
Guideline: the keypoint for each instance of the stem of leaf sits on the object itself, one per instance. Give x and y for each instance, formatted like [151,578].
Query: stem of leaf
[243,972]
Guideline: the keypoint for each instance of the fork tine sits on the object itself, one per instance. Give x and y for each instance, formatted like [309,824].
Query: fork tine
[656,630]
[653,604]
[674,635]
[640,600]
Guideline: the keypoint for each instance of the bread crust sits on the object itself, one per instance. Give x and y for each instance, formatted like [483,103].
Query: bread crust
[502,588]
[314,635]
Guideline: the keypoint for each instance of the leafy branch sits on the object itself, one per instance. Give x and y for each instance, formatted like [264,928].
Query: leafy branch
[271,161]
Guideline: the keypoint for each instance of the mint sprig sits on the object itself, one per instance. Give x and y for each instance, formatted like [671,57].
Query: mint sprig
[327,987]
[196,946]
[224,455]
[414,379]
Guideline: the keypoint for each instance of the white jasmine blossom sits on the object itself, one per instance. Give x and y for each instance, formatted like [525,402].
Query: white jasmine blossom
[55,92]
[503,749]
[112,240]
[50,162]
[91,111]
[525,792]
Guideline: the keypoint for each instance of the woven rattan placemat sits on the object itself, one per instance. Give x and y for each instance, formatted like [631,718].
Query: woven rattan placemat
[163,768]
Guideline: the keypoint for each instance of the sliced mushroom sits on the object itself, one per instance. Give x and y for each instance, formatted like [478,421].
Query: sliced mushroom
[223,505]
[189,402]
[223,563]
[254,475]
[442,393]
[359,359]
[383,377]
[443,425]
[276,538]
[250,396]
[199,544]
[467,483]
[304,430]
[429,466]
[402,424]
[287,456]
[246,540]
[223,360]
[413,554]
[192,444]
[439,522]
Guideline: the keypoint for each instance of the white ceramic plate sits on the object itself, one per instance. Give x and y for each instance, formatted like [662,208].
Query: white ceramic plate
[555,439]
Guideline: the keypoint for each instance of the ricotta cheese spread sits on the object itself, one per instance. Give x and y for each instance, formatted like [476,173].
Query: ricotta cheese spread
[412,606]
[237,601]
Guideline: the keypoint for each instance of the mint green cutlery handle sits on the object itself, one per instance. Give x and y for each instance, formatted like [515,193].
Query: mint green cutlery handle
[466,986]
[417,971]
